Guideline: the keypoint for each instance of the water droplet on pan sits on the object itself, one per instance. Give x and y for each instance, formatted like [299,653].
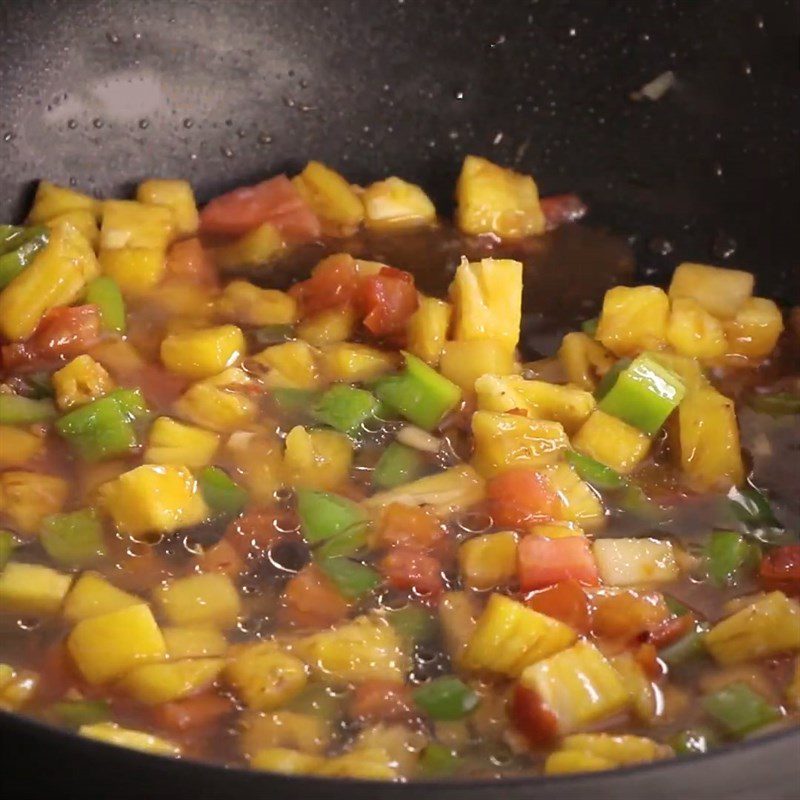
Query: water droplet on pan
[188,122]
[144,124]
[97,122]
[72,124]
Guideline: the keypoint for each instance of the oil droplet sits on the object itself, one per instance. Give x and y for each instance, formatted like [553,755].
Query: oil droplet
[73,181]
[724,245]
[113,38]
[458,94]
[72,124]
[303,83]
[28,623]
[7,137]
[227,152]
[97,122]
[137,35]
[188,122]
[144,124]
[241,133]
[501,39]
[288,102]
[660,246]
[264,138]
[718,171]
[498,137]
[747,68]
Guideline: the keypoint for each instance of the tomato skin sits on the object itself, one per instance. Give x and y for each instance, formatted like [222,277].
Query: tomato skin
[192,712]
[565,601]
[381,701]
[332,284]
[542,562]
[409,526]
[520,497]
[409,569]
[387,301]
[780,569]
[531,718]
[311,600]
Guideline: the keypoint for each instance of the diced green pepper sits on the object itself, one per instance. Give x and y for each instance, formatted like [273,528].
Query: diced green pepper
[437,761]
[397,465]
[8,235]
[727,555]
[104,292]
[445,698]
[74,539]
[738,710]
[676,608]
[644,394]
[413,623]
[18,250]
[634,500]
[589,326]
[222,494]
[17,410]
[7,546]
[268,335]
[348,543]
[75,713]
[610,378]
[418,393]
[294,401]
[777,405]
[345,408]
[686,649]
[595,473]
[324,515]
[352,578]
[693,741]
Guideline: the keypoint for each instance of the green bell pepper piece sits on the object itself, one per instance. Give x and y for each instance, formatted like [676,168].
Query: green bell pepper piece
[75,713]
[352,578]
[644,394]
[19,249]
[589,326]
[7,546]
[73,539]
[437,761]
[8,235]
[610,378]
[634,500]
[18,410]
[397,465]
[345,408]
[267,335]
[419,393]
[222,494]
[294,401]
[324,515]
[445,698]
[676,608]
[595,473]
[104,292]
[728,554]
[693,741]
[686,649]
[776,405]
[348,543]
[738,710]
[413,623]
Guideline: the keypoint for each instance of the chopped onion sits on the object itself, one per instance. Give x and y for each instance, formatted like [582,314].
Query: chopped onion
[415,437]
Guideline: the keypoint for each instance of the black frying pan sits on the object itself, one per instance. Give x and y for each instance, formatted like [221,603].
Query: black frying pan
[106,92]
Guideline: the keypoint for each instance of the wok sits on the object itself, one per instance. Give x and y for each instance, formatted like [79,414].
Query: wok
[101,94]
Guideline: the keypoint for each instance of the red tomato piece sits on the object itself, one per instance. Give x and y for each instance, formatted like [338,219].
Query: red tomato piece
[221,557]
[187,259]
[671,630]
[409,569]
[565,601]
[628,614]
[332,284]
[780,569]
[254,530]
[542,562]
[192,712]
[381,701]
[387,301]
[521,496]
[311,600]
[409,526]
[531,717]
[561,208]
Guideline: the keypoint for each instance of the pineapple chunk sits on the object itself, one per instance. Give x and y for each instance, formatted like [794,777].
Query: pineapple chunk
[251,250]
[368,648]
[427,329]
[767,627]
[510,636]
[721,292]
[26,498]
[52,200]
[56,277]
[32,588]
[708,436]
[111,733]
[247,304]
[566,762]
[464,363]
[118,356]
[611,442]
[207,598]
[284,761]
[579,503]
[175,195]
[203,353]
[394,204]
[317,459]
[577,686]
[183,302]
[18,446]
[306,733]
[136,269]
[565,404]
[444,493]
[127,223]
[399,742]
[291,365]
[693,332]
[495,200]
[154,499]
[373,764]
[686,368]
[354,363]
[458,616]
[92,595]
[82,220]
[630,562]
[640,687]
[80,382]
[556,530]
[264,675]
[633,319]
[754,331]
[599,751]
[219,403]
[172,442]
[487,298]
[328,327]
[583,360]
[505,441]
[331,198]
[108,646]
[488,561]
[16,687]
[194,641]
[258,458]
[152,684]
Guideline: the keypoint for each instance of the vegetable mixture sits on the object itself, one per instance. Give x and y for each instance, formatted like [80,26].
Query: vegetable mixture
[265,503]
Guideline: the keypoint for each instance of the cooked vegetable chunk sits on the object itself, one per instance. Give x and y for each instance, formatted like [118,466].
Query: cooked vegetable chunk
[721,292]
[32,588]
[628,562]
[633,319]
[205,599]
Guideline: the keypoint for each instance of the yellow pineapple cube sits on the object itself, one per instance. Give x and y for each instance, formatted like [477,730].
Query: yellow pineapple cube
[317,459]
[721,292]
[362,763]
[194,641]
[465,362]
[328,327]
[175,195]
[206,598]
[579,503]
[92,595]
[633,319]
[17,686]
[290,365]
[688,369]
[264,675]
[754,331]
[584,360]
[82,220]
[591,752]
[353,363]
[118,356]
[111,733]
[510,636]
[633,562]
[488,561]
[220,403]
[172,442]
[692,331]
[331,198]
[708,438]
[203,353]
[258,459]
[247,304]
[495,200]
[487,300]
[154,499]
[556,530]
[767,627]
[135,269]
[646,705]
[505,441]
[458,614]
[427,329]
[252,250]
[32,588]
[18,446]
[152,684]
[306,733]
[52,200]
[80,382]
[130,224]
[56,277]
[394,204]
[611,442]
[285,761]
[107,646]
[566,762]
[182,302]
[26,498]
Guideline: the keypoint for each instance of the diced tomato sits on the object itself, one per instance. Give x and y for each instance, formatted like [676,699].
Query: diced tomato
[57,673]
[275,201]
[627,615]
[531,717]
[409,526]
[542,562]
[188,259]
[387,301]
[381,701]
[254,530]
[332,284]
[521,496]
[780,569]
[221,557]
[311,600]
[192,712]
[670,630]
[409,569]
[561,208]
[566,601]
